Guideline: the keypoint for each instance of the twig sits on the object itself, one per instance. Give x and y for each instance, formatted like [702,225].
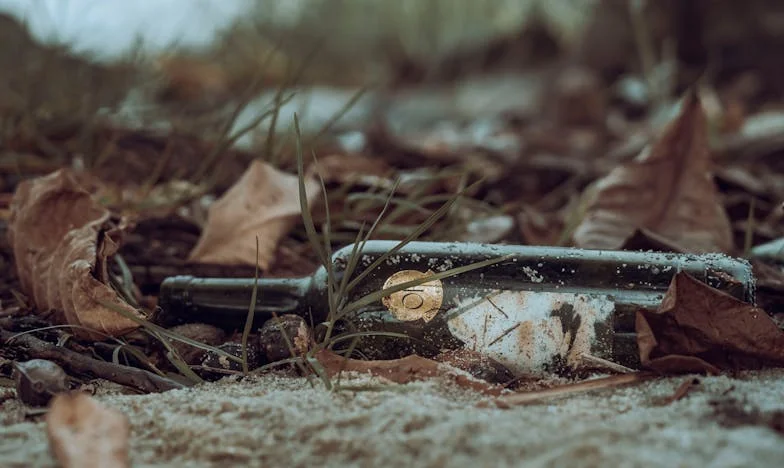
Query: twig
[683,389]
[138,379]
[609,365]
[570,389]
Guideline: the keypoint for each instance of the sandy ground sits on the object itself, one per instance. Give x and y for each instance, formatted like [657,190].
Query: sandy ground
[283,421]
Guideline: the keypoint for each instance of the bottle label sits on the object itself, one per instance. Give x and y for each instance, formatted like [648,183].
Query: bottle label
[529,331]
[422,301]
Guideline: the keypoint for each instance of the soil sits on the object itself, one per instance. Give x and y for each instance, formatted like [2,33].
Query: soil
[276,420]
[538,137]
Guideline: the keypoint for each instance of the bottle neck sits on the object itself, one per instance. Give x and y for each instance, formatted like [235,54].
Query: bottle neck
[225,301]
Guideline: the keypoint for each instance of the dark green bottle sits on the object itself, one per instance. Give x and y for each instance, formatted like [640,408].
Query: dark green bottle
[534,309]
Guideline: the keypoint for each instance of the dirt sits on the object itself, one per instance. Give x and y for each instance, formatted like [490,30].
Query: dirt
[536,133]
[275,420]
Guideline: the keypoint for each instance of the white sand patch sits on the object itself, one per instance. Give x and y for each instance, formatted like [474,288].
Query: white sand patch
[280,421]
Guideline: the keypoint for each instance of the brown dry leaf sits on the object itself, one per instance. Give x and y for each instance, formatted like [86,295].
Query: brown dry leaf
[700,329]
[84,433]
[668,189]
[264,203]
[62,239]
[403,370]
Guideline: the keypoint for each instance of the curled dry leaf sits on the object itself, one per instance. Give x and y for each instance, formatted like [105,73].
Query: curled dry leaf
[404,370]
[668,189]
[701,329]
[62,239]
[264,203]
[84,433]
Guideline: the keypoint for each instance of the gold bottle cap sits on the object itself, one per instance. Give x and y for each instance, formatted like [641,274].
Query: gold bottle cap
[416,302]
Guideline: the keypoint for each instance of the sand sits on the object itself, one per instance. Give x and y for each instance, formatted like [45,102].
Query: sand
[275,420]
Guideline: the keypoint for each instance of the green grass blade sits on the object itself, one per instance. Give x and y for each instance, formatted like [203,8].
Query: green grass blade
[438,214]
[307,218]
[151,327]
[354,335]
[378,295]
[748,235]
[251,313]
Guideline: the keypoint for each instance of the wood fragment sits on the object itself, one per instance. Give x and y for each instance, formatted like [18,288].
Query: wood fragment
[569,389]
[79,364]
[605,364]
[683,389]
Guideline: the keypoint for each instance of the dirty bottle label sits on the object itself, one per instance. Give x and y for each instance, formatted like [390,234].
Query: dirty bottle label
[529,332]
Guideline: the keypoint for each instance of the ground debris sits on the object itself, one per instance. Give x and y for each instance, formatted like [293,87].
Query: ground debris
[62,241]
[700,329]
[250,219]
[85,433]
[404,370]
[667,189]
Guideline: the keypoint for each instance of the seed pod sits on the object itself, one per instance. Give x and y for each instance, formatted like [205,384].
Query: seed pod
[220,363]
[281,336]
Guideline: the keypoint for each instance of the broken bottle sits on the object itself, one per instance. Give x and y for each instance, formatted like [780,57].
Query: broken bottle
[533,309]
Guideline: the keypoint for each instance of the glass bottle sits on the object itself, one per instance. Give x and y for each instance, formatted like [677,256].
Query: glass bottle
[534,309]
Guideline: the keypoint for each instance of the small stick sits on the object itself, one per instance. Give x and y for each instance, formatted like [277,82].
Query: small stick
[683,389]
[609,365]
[569,389]
[133,377]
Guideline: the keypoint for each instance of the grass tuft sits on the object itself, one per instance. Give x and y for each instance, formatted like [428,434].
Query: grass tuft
[339,292]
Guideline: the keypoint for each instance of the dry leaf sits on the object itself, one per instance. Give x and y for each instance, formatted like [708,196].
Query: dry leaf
[668,189]
[700,329]
[264,203]
[83,433]
[62,239]
[403,370]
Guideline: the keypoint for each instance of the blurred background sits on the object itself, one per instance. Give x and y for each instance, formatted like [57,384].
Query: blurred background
[537,98]
[133,55]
